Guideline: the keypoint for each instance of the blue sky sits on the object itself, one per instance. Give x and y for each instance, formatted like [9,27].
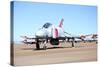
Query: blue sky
[30,16]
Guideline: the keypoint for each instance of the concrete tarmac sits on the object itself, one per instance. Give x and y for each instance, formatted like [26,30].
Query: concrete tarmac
[27,55]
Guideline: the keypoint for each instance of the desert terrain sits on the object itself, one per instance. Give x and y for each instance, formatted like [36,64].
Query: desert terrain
[28,55]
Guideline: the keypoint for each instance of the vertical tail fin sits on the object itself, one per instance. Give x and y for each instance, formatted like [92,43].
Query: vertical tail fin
[61,22]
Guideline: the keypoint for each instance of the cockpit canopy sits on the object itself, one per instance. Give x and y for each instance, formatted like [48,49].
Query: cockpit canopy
[47,25]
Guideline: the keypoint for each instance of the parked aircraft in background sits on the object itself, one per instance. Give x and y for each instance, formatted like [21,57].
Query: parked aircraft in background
[90,37]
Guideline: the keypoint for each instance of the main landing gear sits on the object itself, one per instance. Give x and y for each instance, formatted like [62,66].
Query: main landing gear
[38,44]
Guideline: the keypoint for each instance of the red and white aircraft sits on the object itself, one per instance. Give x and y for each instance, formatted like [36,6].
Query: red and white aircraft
[50,33]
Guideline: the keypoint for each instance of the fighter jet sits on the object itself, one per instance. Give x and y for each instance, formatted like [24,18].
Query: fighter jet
[90,37]
[50,33]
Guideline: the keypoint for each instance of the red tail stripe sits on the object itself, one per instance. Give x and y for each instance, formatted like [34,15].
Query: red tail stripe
[61,23]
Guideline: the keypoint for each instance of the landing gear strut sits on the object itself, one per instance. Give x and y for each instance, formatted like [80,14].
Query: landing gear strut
[72,42]
[37,44]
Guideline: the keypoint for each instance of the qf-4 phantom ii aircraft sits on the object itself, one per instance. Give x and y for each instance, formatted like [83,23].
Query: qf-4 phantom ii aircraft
[50,33]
